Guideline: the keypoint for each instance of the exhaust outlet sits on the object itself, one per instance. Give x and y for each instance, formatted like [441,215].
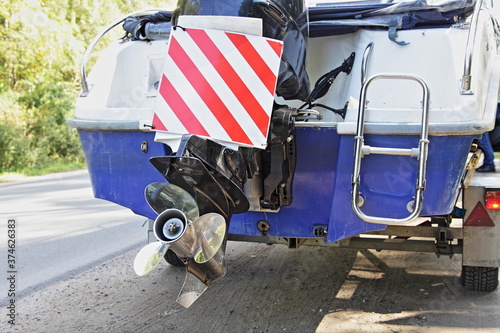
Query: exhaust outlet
[173,227]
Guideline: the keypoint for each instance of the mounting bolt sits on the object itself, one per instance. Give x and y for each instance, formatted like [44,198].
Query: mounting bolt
[410,206]
[263,226]
[361,201]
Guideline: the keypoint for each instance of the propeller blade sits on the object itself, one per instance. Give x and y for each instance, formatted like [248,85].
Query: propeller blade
[210,232]
[200,276]
[191,290]
[163,196]
[149,257]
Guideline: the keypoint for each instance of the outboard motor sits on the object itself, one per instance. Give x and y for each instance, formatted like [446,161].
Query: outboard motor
[207,178]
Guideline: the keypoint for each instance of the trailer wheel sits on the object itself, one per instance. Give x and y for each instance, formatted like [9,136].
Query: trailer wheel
[173,259]
[479,278]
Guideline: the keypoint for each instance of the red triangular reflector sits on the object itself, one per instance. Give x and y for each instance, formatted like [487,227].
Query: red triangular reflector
[479,217]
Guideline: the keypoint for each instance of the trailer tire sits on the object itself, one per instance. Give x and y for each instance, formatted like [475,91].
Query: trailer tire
[173,259]
[479,278]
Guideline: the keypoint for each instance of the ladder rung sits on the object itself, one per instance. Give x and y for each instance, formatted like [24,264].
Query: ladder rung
[413,152]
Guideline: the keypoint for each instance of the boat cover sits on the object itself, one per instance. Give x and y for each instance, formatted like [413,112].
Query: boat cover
[326,19]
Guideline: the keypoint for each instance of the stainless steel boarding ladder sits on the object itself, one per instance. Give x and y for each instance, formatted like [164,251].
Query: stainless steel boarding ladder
[420,152]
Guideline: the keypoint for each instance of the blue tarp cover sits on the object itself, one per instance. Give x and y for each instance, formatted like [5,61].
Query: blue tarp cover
[343,17]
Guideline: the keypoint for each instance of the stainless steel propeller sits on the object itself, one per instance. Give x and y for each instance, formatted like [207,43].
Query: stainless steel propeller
[199,240]
[196,239]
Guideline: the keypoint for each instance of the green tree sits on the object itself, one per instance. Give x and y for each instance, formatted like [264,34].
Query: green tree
[41,44]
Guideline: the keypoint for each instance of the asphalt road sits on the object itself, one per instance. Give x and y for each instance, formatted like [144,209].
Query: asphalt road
[74,264]
[61,229]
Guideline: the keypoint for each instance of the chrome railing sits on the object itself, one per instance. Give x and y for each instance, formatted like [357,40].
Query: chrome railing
[471,39]
[97,38]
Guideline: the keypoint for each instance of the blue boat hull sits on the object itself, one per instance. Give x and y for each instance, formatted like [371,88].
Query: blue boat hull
[120,171]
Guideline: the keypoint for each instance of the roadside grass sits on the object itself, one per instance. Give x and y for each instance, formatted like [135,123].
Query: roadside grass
[30,172]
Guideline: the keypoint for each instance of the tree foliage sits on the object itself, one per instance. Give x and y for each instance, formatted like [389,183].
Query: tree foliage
[41,44]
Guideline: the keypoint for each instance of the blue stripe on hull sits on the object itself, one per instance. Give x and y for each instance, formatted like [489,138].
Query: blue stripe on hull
[120,171]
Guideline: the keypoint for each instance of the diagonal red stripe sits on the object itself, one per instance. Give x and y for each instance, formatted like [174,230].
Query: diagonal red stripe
[207,93]
[232,79]
[180,108]
[254,60]
[158,124]
[276,46]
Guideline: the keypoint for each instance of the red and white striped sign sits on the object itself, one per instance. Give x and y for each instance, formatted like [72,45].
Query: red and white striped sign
[218,84]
